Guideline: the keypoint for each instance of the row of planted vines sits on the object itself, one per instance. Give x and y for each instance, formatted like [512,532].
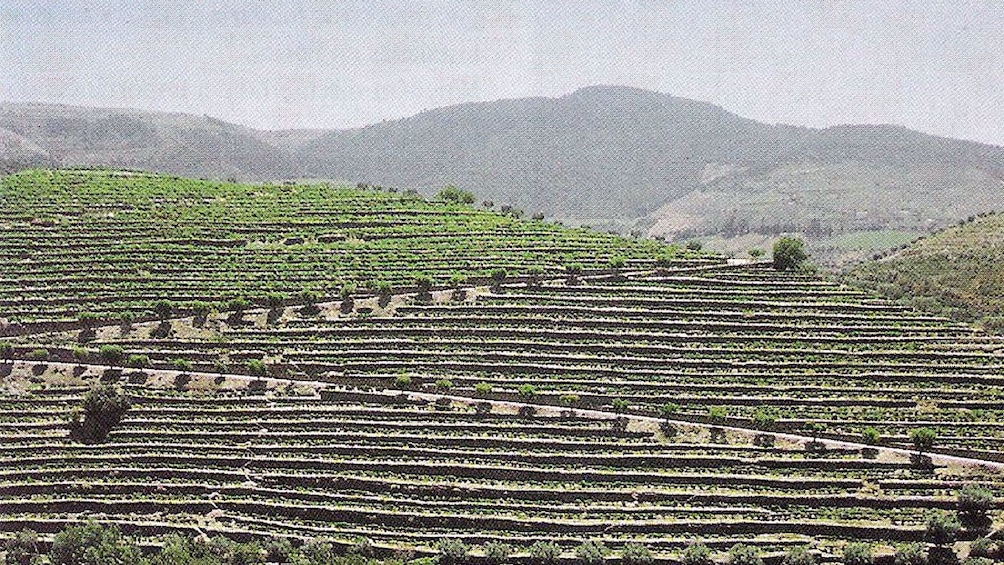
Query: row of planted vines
[112,243]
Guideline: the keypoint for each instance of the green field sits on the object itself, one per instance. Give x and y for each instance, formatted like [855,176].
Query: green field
[601,389]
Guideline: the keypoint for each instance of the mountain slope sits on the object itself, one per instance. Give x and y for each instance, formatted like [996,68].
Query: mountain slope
[595,152]
[958,272]
[17,152]
[179,144]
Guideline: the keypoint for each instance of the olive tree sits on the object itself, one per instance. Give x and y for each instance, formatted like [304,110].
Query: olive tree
[974,506]
[102,409]
[789,254]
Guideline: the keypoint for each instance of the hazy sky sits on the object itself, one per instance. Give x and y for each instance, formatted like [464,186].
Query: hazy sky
[934,65]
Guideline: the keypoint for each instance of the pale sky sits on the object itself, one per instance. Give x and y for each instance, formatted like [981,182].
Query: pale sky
[934,65]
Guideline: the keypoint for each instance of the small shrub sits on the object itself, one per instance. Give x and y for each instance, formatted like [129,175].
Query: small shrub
[636,554]
[798,555]
[111,354]
[101,410]
[345,293]
[574,269]
[696,554]
[717,414]
[256,367]
[789,254]
[238,305]
[38,354]
[88,319]
[274,300]
[742,554]
[497,552]
[527,391]
[910,554]
[569,399]
[163,309]
[310,296]
[544,553]
[984,547]
[669,409]
[81,354]
[137,361]
[444,384]
[453,195]
[591,552]
[93,544]
[923,439]
[483,388]
[857,553]
[182,364]
[763,418]
[617,262]
[871,436]
[402,381]
[22,549]
[814,429]
[452,551]
[620,405]
[974,505]
[664,261]
[942,528]
[423,283]
[126,319]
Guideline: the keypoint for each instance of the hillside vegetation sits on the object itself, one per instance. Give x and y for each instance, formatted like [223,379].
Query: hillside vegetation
[625,399]
[958,273]
[113,244]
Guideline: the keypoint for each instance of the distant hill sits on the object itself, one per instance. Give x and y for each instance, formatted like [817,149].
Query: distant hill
[179,144]
[958,272]
[17,152]
[611,157]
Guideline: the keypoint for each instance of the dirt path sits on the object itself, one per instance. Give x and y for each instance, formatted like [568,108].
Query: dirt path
[165,376]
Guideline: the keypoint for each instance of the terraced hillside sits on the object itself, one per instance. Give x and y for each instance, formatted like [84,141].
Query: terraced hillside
[114,243]
[627,403]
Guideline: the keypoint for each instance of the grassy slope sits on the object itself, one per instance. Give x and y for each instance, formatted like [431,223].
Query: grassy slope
[958,272]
